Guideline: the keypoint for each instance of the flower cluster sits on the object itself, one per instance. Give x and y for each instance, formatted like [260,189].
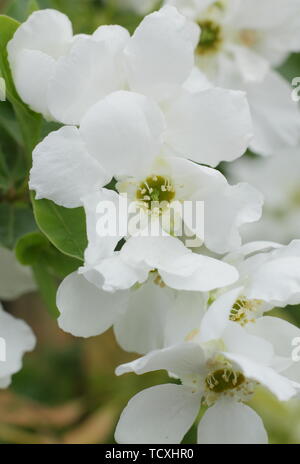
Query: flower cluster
[149,117]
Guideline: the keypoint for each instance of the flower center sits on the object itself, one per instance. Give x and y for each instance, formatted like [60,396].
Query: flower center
[154,190]
[243,311]
[210,38]
[223,380]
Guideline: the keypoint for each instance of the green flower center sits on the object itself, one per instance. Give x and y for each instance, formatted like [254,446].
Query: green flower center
[154,190]
[210,38]
[223,380]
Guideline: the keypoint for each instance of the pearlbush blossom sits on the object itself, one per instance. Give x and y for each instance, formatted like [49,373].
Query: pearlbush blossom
[149,117]
[281,213]
[15,280]
[220,367]
[16,338]
[241,43]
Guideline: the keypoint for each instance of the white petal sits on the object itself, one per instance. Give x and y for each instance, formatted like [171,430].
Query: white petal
[16,338]
[273,96]
[124,132]
[254,14]
[183,360]
[160,54]
[201,273]
[48,31]
[184,317]
[85,310]
[209,126]
[87,73]
[15,280]
[100,246]
[195,182]
[5,382]
[280,386]
[32,52]
[117,274]
[197,81]
[226,212]
[276,281]
[63,170]
[238,340]
[231,423]
[161,414]
[179,267]
[251,65]
[141,328]
[32,72]
[278,332]
[216,318]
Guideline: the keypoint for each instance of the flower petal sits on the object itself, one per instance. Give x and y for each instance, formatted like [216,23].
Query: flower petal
[123,132]
[276,278]
[226,212]
[17,338]
[101,205]
[63,171]
[160,55]
[182,360]
[32,72]
[209,126]
[85,310]
[184,317]
[87,73]
[48,31]
[216,318]
[238,340]
[231,423]
[141,328]
[15,280]
[280,386]
[273,96]
[161,414]
[37,43]
[178,266]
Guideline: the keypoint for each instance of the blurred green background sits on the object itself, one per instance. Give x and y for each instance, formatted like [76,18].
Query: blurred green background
[67,391]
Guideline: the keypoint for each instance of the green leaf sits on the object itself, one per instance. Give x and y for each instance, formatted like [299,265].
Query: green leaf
[21,9]
[15,220]
[30,123]
[64,227]
[8,122]
[47,285]
[35,247]
[30,248]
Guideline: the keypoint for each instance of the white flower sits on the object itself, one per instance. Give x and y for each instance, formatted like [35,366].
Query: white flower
[269,272]
[131,290]
[144,318]
[269,277]
[220,368]
[241,40]
[281,215]
[62,76]
[15,280]
[123,133]
[173,181]
[141,271]
[16,338]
